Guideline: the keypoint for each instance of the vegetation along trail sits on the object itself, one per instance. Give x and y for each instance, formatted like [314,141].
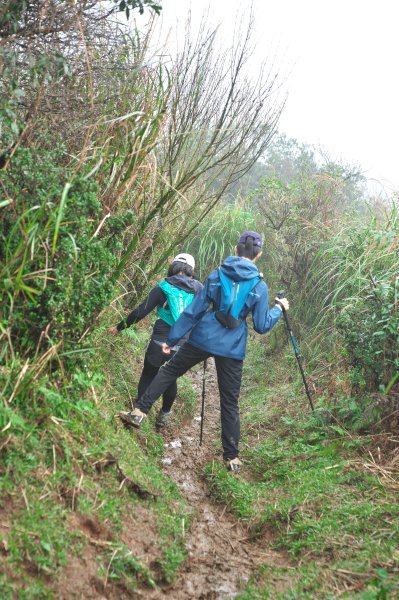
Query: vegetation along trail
[113,159]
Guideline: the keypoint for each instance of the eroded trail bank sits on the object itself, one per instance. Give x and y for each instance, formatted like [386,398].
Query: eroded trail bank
[221,558]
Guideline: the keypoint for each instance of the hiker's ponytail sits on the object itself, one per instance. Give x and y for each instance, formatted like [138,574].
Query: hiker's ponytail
[249,244]
[248,249]
[178,267]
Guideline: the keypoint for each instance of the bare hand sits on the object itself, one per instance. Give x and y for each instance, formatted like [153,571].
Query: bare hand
[283,302]
[113,331]
[166,349]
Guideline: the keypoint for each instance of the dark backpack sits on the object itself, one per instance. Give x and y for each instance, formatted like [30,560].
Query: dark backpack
[233,295]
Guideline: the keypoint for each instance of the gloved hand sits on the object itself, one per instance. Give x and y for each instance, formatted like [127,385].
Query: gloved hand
[282,302]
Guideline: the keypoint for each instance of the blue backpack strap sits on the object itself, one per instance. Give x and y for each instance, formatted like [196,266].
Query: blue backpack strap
[233,296]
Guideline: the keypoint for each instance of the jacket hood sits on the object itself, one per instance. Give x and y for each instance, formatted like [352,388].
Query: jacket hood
[183,282]
[239,269]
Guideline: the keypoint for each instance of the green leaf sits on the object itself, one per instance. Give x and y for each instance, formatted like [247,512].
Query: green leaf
[5,203]
[14,128]
[46,546]
[66,189]
[391,383]
[338,429]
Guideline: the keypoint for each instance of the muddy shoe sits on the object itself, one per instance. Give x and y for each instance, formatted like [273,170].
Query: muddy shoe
[133,418]
[233,464]
[162,419]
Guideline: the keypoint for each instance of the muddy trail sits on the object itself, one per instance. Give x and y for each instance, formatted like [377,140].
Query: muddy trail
[221,558]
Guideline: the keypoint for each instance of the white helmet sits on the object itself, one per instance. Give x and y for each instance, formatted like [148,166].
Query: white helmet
[185,258]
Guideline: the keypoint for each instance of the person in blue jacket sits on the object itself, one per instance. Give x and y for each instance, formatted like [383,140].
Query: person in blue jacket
[209,337]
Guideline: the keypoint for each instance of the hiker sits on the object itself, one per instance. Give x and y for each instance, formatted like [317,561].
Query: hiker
[169,297]
[216,320]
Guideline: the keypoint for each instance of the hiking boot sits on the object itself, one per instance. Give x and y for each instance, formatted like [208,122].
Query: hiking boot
[233,464]
[162,419]
[133,418]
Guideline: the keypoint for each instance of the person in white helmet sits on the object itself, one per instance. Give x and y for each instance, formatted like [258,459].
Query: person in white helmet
[170,297]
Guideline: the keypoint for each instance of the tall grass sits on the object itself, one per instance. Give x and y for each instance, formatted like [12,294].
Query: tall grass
[355,285]
[217,235]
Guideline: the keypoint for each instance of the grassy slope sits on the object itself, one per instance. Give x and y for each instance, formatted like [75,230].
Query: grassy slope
[306,487]
[313,489]
[53,470]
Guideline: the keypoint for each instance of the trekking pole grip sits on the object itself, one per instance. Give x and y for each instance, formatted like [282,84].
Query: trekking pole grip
[281,294]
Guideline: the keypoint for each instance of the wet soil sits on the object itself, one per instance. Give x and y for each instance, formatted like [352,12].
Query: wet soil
[221,558]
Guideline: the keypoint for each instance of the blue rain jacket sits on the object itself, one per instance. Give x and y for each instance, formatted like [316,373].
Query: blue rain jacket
[199,317]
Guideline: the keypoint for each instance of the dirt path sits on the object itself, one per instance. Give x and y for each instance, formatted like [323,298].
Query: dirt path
[220,557]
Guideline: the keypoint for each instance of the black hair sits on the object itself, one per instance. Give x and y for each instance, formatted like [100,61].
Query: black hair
[180,267]
[248,250]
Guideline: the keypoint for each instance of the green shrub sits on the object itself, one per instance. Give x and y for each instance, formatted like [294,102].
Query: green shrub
[370,332]
[355,282]
[56,275]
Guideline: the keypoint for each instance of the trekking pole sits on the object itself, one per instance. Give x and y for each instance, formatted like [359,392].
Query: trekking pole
[297,354]
[203,402]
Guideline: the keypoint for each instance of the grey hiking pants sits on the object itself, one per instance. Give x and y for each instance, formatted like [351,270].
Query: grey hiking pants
[229,375]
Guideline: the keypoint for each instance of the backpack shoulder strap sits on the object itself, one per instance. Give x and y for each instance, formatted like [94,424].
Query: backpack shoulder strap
[233,294]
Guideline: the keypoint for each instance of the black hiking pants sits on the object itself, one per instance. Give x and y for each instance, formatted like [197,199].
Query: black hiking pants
[229,375]
[148,373]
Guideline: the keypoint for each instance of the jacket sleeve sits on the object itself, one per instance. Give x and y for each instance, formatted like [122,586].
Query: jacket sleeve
[156,297]
[263,318]
[190,316]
